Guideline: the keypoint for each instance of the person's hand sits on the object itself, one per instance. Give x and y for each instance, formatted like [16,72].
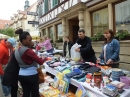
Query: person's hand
[77,50]
[110,61]
[98,60]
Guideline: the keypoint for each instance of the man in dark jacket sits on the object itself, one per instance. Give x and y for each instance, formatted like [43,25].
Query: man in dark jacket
[67,46]
[86,49]
[10,77]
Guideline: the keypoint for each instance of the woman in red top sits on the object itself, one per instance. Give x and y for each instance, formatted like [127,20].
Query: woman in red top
[28,60]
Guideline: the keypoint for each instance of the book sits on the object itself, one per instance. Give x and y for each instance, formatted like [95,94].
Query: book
[61,86]
[81,92]
[67,82]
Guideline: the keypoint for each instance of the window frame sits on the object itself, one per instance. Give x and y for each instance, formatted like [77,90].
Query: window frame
[114,14]
[91,19]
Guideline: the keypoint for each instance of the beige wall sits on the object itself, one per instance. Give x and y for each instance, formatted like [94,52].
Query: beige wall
[87,23]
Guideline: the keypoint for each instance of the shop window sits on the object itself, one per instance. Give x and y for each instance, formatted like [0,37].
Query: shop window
[59,31]
[44,32]
[122,16]
[99,21]
[51,33]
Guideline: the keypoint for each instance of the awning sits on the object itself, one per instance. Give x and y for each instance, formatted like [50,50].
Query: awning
[4,36]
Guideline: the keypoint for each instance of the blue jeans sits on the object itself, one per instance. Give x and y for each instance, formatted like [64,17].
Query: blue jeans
[50,51]
[6,89]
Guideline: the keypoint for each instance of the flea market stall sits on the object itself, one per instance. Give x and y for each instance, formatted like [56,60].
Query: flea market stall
[90,80]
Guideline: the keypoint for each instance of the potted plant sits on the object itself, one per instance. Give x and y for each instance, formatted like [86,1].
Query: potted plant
[97,37]
[122,35]
[59,40]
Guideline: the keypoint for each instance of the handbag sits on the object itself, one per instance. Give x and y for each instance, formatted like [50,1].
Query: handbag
[1,70]
[41,75]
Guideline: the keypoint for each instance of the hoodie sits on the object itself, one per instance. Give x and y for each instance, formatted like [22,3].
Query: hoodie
[4,53]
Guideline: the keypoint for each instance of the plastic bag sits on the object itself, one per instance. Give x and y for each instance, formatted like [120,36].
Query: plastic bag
[75,56]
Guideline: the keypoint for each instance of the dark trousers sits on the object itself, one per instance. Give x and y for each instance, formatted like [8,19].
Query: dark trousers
[92,59]
[50,51]
[14,89]
[30,85]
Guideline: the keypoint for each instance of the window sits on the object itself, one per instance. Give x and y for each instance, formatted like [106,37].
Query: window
[55,2]
[45,6]
[44,32]
[100,21]
[59,31]
[51,32]
[122,16]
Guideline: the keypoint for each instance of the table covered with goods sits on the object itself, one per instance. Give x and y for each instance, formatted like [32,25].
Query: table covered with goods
[91,80]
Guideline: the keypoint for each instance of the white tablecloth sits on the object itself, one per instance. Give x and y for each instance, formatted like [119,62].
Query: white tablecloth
[87,86]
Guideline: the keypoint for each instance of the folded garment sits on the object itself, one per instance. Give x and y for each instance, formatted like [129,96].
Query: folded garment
[70,75]
[61,68]
[77,70]
[93,69]
[79,76]
[56,64]
[66,71]
[84,67]
[50,62]
[83,79]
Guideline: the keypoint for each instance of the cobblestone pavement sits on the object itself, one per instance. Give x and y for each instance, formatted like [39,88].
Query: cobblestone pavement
[1,92]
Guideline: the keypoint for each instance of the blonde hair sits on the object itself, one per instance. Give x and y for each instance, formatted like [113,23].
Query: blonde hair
[45,37]
[66,37]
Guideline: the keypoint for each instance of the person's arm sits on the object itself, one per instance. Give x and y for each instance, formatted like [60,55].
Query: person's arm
[41,44]
[116,48]
[1,56]
[34,57]
[44,43]
[64,49]
[88,46]
[101,55]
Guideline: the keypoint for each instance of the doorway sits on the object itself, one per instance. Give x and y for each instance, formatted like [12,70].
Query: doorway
[73,29]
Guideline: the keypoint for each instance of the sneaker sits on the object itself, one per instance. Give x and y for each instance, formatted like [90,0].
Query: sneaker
[8,95]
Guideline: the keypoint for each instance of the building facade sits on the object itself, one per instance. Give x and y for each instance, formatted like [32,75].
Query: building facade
[4,23]
[20,19]
[58,18]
